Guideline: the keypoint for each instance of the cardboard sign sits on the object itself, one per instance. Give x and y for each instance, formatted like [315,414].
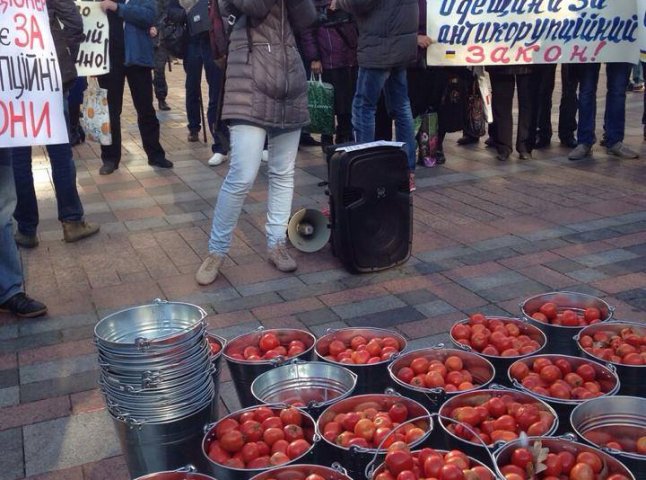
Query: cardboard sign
[516,32]
[93,57]
[31,92]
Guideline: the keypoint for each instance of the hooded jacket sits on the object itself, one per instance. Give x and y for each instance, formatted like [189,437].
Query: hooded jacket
[66,25]
[387,31]
[265,77]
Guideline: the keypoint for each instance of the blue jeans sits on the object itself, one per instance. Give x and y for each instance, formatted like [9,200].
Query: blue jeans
[615,114]
[370,83]
[247,143]
[64,176]
[198,56]
[10,269]
[638,74]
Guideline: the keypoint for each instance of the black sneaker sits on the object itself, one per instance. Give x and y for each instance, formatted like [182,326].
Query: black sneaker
[25,241]
[108,168]
[467,140]
[163,105]
[308,141]
[23,306]
[161,163]
[193,136]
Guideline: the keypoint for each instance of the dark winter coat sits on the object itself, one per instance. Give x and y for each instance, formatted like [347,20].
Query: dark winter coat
[265,78]
[130,40]
[387,31]
[334,46]
[66,25]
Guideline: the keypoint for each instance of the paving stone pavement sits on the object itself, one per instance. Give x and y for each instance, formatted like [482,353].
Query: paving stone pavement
[486,236]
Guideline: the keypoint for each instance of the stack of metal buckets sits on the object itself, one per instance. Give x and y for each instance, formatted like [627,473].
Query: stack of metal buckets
[156,378]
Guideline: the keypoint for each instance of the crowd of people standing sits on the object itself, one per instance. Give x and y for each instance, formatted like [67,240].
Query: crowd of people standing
[371,51]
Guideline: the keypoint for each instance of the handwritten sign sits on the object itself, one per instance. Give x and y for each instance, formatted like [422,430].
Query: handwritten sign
[511,32]
[641,11]
[31,99]
[93,58]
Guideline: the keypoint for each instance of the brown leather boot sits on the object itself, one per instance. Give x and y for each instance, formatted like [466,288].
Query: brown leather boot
[73,231]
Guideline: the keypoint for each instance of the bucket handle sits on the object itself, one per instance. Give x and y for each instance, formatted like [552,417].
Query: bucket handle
[339,468]
[463,347]
[186,469]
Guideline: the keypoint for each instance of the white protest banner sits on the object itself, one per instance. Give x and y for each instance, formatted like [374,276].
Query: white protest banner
[512,32]
[31,97]
[641,11]
[93,58]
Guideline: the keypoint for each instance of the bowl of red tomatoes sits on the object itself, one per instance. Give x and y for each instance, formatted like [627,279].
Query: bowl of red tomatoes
[623,344]
[617,425]
[501,340]
[252,354]
[560,315]
[547,458]
[304,472]
[252,440]
[365,351]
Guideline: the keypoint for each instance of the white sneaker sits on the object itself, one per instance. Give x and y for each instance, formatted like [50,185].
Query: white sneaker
[265,156]
[217,159]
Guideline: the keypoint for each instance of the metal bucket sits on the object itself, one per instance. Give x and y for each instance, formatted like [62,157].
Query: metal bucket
[155,447]
[244,372]
[371,472]
[605,375]
[147,327]
[355,459]
[473,447]
[481,369]
[313,386]
[371,378]
[185,473]
[632,376]
[222,472]
[559,338]
[556,445]
[613,415]
[501,364]
[300,472]
[216,362]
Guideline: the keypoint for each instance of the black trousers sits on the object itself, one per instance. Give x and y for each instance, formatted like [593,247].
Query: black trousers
[502,99]
[141,88]
[344,81]
[159,74]
[543,76]
[569,102]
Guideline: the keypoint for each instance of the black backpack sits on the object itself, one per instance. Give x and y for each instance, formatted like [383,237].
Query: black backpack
[173,36]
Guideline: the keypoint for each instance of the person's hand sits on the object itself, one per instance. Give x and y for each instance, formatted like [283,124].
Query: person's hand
[109,5]
[424,41]
[152,32]
[332,5]
[316,67]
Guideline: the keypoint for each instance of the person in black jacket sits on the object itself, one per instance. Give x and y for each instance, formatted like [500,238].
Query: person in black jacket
[66,26]
[387,46]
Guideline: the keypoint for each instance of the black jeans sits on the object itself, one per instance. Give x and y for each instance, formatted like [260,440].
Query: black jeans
[569,102]
[543,76]
[141,88]
[502,93]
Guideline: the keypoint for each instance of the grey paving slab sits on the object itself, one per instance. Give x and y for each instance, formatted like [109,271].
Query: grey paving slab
[631,227]
[445,253]
[521,289]
[488,256]
[604,258]
[416,297]
[540,245]
[9,331]
[317,317]
[564,266]
[235,330]
[367,307]
[593,235]
[435,308]
[145,224]
[69,441]
[594,224]
[57,323]
[9,396]
[312,290]
[9,377]
[58,368]
[11,459]
[30,341]
[430,341]
[270,286]
[548,233]
[494,280]
[586,275]
[635,265]
[229,396]
[323,328]
[444,180]
[499,242]
[55,387]
[387,318]
[247,303]
[324,276]
[216,299]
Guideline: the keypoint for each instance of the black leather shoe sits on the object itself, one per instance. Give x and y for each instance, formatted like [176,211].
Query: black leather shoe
[161,163]
[163,105]
[467,140]
[308,141]
[440,158]
[193,137]
[524,155]
[503,157]
[23,306]
[107,168]
[542,143]
[25,241]
[569,142]
[490,143]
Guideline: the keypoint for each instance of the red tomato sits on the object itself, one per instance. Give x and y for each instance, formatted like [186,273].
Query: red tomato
[519,370]
[399,460]
[453,363]
[550,373]
[293,432]
[374,347]
[251,430]
[291,416]
[591,459]
[268,341]
[391,342]
[314,476]
[297,448]
[350,420]
[482,472]
[365,428]
[505,422]
[586,372]
[217,453]
[272,435]
[591,313]
[258,463]
[540,317]
[360,357]
[358,340]
[414,434]
[249,452]
[226,425]
[432,466]
[549,309]
[405,374]
[451,472]
[567,460]
[398,412]
[263,413]
[521,457]
[407,475]
[569,318]
[336,347]
[280,446]
[477,319]
[461,331]
[278,458]
[232,441]
[581,471]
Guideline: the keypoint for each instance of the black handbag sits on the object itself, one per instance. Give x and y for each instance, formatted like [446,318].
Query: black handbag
[173,36]
[475,124]
[197,18]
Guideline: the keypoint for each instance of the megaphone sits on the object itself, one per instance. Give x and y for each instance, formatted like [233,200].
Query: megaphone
[308,230]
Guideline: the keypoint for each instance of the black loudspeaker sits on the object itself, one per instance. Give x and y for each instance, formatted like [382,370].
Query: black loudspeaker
[371,213]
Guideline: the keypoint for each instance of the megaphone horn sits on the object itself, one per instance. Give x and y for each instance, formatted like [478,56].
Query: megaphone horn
[308,230]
